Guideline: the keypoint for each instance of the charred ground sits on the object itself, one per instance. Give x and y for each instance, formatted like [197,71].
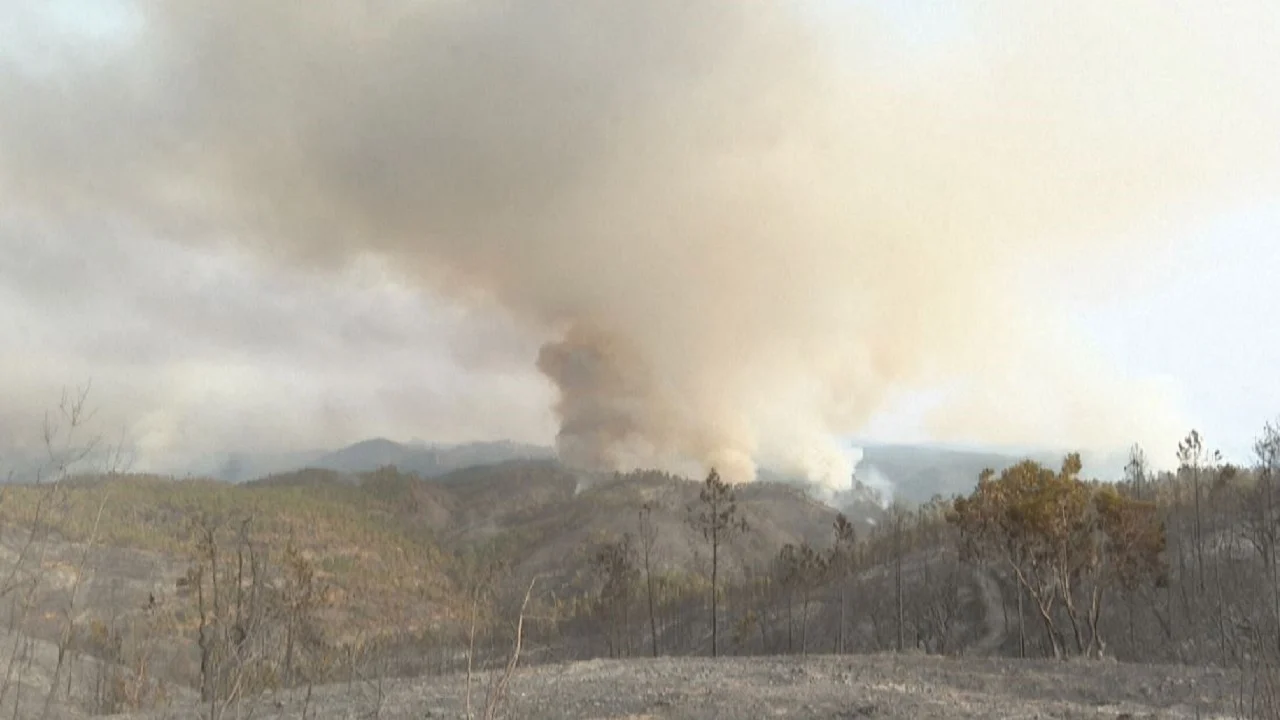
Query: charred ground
[138,593]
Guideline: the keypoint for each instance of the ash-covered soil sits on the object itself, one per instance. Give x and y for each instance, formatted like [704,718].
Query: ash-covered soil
[881,686]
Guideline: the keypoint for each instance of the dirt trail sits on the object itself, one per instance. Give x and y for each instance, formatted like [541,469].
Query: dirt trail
[993,604]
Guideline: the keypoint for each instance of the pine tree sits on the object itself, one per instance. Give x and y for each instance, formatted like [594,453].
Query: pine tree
[718,520]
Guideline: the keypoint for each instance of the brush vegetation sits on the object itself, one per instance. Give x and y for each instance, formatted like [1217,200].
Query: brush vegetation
[225,591]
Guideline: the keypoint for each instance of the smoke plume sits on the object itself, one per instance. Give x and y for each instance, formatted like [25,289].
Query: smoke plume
[741,234]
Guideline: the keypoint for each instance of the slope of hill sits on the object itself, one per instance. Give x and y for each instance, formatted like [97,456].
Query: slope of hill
[539,515]
[368,538]
[385,542]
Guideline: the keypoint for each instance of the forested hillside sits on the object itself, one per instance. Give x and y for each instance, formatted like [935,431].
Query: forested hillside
[150,587]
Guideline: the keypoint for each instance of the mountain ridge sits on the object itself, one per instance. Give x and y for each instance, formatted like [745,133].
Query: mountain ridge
[911,472]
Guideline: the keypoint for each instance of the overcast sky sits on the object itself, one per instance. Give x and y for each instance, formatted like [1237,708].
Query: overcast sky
[199,347]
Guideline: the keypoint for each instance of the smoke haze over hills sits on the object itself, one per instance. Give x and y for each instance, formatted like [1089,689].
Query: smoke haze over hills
[733,236]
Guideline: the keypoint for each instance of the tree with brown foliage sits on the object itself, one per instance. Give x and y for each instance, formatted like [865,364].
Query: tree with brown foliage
[718,520]
[1063,541]
[1131,547]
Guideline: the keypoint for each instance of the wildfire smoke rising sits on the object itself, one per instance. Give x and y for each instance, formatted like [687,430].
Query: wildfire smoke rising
[741,236]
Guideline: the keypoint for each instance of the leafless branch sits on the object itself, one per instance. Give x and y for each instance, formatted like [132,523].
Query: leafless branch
[498,695]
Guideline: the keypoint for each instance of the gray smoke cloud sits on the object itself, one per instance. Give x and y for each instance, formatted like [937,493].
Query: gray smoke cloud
[740,234]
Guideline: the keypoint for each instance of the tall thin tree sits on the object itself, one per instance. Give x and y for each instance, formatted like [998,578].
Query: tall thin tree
[1137,471]
[1192,459]
[841,563]
[648,538]
[899,522]
[718,520]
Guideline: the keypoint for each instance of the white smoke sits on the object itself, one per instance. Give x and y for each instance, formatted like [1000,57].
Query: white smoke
[739,236]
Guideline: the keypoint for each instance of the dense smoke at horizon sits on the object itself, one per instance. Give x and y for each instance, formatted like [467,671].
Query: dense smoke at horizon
[737,238]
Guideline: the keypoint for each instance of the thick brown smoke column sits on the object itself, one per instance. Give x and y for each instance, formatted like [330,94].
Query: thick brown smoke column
[604,398]
[741,236]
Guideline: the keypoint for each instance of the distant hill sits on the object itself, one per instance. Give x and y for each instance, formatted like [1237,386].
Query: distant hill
[912,473]
[428,460]
[415,458]
[918,472]
[239,467]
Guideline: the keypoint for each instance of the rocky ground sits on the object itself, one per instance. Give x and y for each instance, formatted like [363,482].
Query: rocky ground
[879,686]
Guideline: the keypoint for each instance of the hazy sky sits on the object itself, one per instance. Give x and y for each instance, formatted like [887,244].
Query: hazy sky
[195,347]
